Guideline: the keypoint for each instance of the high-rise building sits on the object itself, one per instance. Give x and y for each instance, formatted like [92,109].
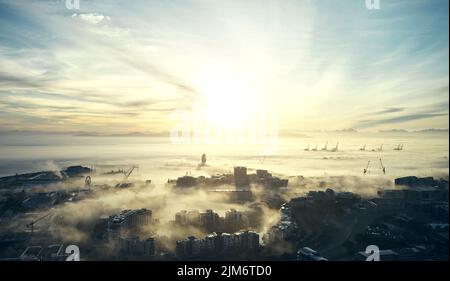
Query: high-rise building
[121,224]
[262,174]
[247,241]
[241,177]
[181,217]
[188,247]
[209,218]
[133,246]
[193,217]
[235,218]
[241,244]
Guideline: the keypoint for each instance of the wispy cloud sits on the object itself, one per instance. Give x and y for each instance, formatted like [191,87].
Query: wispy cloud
[112,64]
[397,120]
[387,110]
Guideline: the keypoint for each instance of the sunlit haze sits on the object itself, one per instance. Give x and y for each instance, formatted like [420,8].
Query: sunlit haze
[115,67]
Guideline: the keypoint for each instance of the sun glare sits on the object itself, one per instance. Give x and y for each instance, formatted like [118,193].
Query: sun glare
[228,102]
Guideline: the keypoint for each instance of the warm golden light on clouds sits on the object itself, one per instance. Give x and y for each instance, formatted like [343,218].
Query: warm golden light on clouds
[107,69]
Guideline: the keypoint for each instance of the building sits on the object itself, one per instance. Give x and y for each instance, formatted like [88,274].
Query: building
[41,200]
[189,247]
[264,178]
[193,217]
[246,241]
[416,182]
[30,179]
[76,171]
[226,242]
[213,245]
[233,195]
[133,246]
[263,174]
[235,218]
[240,177]
[181,218]
[127,221]
[210,243]
[284,229]
[186,181]
[426,194]
[196,218]
[209,218]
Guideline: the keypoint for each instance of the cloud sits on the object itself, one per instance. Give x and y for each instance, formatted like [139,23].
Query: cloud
[147,59]
[388,110]
[397,120]
[396,115]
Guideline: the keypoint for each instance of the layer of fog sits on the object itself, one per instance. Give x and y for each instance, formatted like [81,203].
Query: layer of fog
[74,221]
[159,161]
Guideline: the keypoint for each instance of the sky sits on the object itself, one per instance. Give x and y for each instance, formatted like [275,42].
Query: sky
[121,67]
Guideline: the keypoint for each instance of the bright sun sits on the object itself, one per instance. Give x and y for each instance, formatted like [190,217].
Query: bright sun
[228,102]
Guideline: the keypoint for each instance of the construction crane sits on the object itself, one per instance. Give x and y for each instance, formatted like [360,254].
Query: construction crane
[127,175]
[366,170]
[306,149]
[378,149]
[363,148]
[382,167]
[314,149]
[325,147]
[31,224]
[335,148]
[399,147]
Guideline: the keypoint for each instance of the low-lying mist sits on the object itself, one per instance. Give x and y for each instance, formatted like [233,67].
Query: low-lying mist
[74,221]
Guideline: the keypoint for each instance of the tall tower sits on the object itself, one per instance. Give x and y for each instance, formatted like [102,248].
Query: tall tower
[203,159]
[240,177]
